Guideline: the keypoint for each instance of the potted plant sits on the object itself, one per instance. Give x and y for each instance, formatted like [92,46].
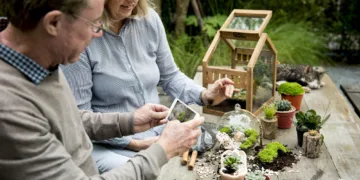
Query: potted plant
[284,113]
[257,175]
[269,122]
[292,92]
[308,121]
[312,142]
[233,165]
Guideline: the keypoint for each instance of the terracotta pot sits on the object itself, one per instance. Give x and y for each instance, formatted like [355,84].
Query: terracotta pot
[242,170]
[294,100]
[284,118]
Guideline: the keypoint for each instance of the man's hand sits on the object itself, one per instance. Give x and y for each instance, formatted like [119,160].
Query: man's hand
[149,116]
[138,145]
[218,92]
[177,137]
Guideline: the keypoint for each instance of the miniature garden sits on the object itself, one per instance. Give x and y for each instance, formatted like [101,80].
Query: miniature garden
[239,151]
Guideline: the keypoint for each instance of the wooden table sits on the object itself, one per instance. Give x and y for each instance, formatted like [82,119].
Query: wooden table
[340,156]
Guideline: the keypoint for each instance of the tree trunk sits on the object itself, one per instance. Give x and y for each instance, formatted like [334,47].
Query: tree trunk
[181,12]
[197,14]
[157,4]
[311,145]
[269,128]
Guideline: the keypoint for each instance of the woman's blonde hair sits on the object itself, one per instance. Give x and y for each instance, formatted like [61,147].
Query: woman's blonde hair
[141,10]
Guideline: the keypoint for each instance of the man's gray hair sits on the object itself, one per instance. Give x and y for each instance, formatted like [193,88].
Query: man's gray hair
[26,14]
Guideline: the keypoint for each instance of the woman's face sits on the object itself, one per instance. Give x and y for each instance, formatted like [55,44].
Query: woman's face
[120,9]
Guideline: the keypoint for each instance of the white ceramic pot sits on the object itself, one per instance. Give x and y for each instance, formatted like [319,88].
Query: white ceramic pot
[242,169]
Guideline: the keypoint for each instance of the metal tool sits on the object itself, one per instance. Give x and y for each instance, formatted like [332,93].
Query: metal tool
[205,142]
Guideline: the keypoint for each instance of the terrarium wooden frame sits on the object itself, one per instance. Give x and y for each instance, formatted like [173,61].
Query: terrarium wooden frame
[243,56]
[228,33]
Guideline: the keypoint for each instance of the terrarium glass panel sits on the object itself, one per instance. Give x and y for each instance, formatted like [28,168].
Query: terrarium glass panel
[244,43]
[221,55]
[246,23]
[263,78]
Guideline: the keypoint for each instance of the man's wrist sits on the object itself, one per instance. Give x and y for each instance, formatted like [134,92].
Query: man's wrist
[168,152]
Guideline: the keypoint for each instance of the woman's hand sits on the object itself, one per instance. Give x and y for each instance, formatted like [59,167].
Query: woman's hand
[222,89]
[138,145]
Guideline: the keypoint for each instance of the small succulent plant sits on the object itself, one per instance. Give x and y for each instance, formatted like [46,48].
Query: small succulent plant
[269,111]
[283,105]
[231,163]
[313,132]
[256,175]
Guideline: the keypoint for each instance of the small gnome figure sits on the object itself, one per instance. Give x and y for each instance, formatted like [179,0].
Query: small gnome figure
[312,142]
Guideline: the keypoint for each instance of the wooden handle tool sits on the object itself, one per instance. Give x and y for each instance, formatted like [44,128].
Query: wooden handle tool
[192,160]
[185,158]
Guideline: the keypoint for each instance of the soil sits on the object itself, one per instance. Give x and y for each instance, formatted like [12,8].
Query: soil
[228,105]
[283,160]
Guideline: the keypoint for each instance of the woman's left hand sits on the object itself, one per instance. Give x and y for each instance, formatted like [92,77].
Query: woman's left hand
[222,89]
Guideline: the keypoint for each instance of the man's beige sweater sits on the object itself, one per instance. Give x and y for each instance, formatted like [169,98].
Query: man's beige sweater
[44,137]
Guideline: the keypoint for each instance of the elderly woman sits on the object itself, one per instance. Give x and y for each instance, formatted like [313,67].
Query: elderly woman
[120,71]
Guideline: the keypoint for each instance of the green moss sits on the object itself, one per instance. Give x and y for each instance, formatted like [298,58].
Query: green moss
[226,130]
[250,132]
[291,88]
[246,145]
[251,135]
[270,152]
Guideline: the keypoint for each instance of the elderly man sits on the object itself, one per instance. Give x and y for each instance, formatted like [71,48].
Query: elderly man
[43,135]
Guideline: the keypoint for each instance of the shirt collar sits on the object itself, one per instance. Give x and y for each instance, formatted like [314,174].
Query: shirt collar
[27,66]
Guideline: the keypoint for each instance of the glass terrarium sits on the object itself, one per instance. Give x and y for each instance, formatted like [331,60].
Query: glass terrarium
[242,52]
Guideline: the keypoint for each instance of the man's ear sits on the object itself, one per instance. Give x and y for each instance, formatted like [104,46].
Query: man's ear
[52,22]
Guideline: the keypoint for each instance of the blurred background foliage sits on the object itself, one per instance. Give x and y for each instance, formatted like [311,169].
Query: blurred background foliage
[304,31]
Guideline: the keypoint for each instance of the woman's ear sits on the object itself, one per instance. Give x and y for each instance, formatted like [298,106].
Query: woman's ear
[52,22]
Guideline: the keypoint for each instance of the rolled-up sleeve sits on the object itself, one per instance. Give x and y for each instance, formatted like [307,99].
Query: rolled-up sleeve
[102,126]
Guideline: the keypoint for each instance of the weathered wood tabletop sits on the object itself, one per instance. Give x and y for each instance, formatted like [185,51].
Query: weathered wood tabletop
[339,159]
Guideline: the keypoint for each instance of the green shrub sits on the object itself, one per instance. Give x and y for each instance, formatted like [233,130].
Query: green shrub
[270,111]
[270,152]
[291,88]
[187,52]
[283,105]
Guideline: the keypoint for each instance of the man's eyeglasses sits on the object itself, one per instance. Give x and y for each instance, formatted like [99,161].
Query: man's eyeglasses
[95,28]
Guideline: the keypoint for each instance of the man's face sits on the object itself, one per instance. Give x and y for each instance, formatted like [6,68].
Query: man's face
[78,33]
